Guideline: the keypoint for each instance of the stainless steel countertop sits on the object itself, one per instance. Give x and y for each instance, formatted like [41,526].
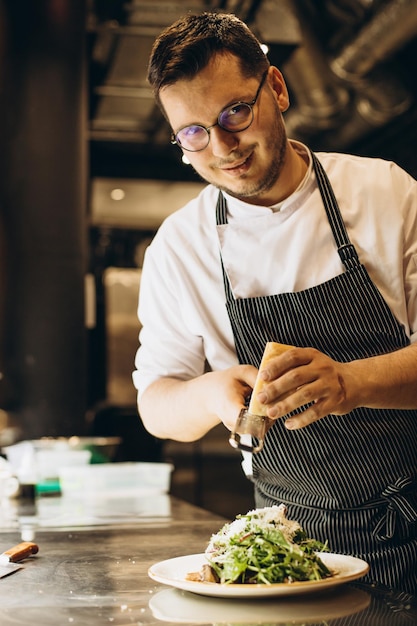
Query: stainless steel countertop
[95,573]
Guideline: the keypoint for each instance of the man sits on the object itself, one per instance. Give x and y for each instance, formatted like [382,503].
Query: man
[315,251]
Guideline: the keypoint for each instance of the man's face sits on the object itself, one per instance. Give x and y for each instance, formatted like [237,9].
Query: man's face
[245,164]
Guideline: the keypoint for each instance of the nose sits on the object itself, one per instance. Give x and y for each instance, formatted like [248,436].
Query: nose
[222,142]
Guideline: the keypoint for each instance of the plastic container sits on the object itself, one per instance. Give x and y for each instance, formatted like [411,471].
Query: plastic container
[110,479]
[49,462]
[38,468]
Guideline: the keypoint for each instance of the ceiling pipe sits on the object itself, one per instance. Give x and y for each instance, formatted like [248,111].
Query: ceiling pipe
[381,95]
[320,103]
[376,104]
[381,100]
[394,25]
[361,95]
[320,100]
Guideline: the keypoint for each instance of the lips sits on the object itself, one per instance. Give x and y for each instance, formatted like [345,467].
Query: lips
[239,167]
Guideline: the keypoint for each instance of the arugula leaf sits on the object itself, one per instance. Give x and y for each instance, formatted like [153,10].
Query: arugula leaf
[259,550]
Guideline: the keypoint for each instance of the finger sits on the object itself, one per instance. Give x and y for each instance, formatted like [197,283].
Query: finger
[292,358]
[312,414]
[285,397]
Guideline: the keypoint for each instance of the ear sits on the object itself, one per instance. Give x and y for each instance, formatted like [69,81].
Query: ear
[278,86]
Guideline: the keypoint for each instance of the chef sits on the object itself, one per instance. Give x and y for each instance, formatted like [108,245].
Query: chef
[314,250]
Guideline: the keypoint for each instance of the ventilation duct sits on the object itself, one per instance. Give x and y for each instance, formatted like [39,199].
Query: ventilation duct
[356,91]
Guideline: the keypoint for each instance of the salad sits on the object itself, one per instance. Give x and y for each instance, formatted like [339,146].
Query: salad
[263,546]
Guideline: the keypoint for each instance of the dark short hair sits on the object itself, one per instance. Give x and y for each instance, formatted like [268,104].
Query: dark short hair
[188,45]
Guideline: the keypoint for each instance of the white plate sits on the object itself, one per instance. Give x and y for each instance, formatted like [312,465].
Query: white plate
[173,572]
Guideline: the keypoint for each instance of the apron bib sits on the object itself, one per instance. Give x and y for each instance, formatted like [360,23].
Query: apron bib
[350,479]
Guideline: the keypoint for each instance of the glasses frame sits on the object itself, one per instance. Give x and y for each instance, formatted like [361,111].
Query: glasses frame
[207,129]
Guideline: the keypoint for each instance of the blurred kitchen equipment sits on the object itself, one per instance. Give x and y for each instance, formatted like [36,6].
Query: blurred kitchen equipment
[24,456]
[37,462]
[9,485]
[103,449]
[116,479]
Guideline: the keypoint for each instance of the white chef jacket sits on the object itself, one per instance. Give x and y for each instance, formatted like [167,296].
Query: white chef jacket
[266,251]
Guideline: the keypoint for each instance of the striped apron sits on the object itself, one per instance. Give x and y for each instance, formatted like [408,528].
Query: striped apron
[350,480]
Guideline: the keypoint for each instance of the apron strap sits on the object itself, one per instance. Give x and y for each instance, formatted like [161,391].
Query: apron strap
[221,210]
[345,248]
[400,502]
[221,219]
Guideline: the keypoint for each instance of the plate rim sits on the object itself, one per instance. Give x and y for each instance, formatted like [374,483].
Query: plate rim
[256,590]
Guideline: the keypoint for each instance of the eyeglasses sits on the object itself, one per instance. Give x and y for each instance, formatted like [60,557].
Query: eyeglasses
[233,118]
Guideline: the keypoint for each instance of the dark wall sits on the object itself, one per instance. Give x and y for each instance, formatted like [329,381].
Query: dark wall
[42,215]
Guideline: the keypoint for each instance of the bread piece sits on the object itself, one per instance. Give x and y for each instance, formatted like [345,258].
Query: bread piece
[205,575]
[272,349]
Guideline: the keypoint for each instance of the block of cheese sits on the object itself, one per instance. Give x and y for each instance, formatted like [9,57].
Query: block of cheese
[272,349]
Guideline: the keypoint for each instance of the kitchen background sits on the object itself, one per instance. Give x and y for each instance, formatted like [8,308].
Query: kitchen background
[88,174]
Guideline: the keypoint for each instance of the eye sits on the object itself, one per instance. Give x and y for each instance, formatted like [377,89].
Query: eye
[190,132]
[235,116]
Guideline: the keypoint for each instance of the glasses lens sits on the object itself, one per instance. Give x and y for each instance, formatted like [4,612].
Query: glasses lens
[192,138]
[236,117]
